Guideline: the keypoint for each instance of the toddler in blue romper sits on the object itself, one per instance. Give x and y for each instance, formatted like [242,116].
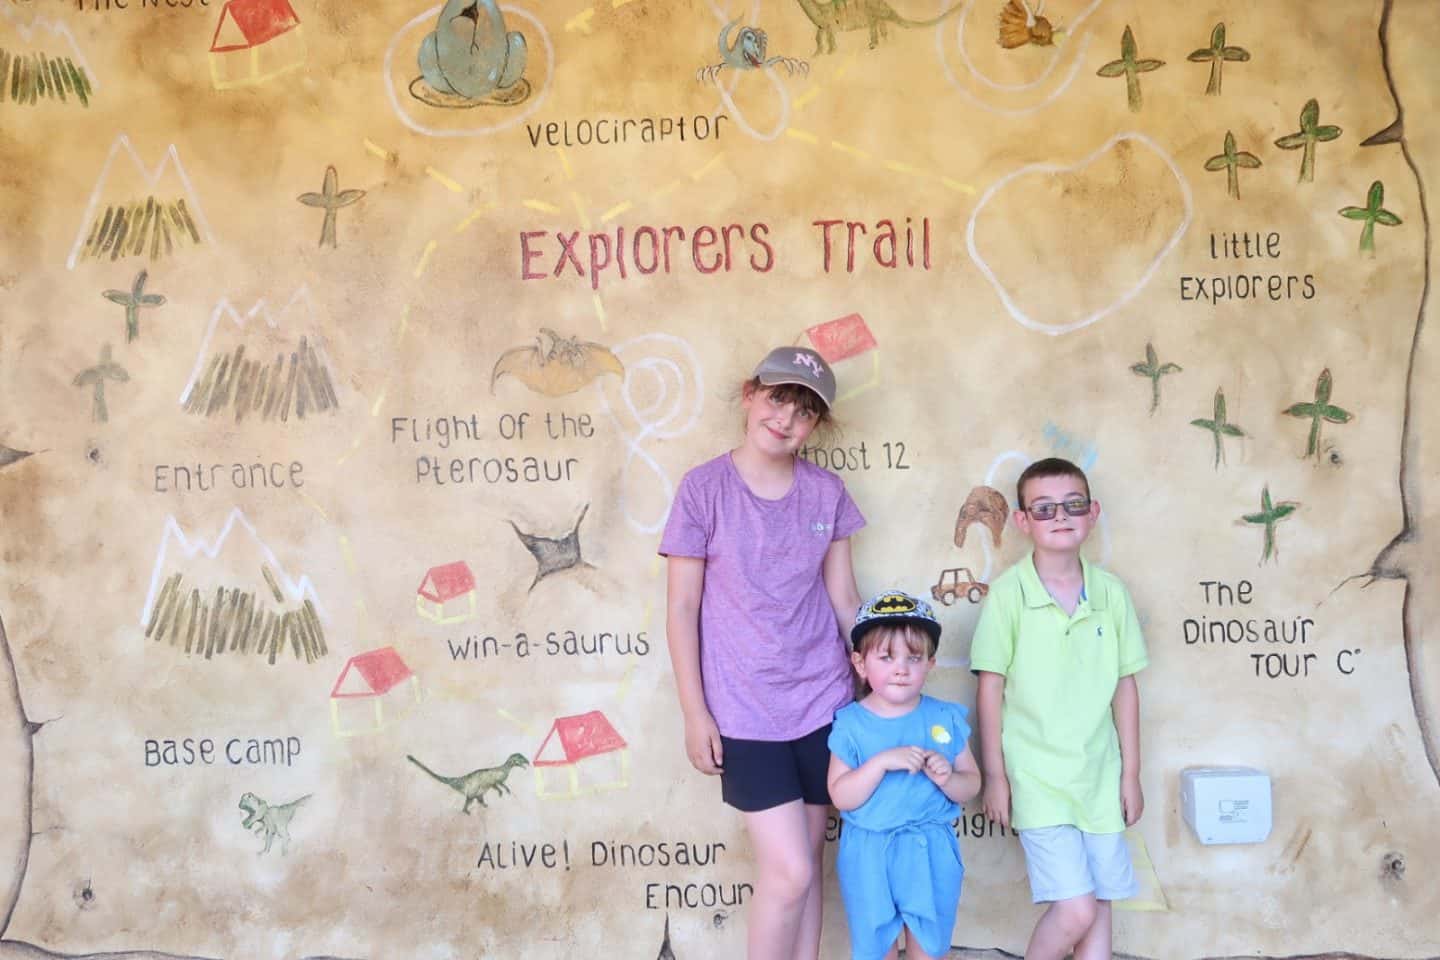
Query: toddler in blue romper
[900,768]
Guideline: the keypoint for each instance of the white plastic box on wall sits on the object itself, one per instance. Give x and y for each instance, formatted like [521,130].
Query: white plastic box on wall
[1226,804]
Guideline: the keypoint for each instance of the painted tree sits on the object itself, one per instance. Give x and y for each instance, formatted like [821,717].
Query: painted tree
[1309,134]
[132,300]
[1154,369]
[1130,68]
[1216,54]
[1270,514]
[1319,410]
[1372,213]
[330,198]
[1231,160]
[95,377]
[1219,427]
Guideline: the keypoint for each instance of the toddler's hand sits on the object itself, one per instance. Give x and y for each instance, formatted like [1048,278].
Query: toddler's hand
[937,768]
[909,759]
[996,800]
[702,745]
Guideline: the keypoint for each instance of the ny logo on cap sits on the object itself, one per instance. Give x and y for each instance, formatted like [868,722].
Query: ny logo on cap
[805,360]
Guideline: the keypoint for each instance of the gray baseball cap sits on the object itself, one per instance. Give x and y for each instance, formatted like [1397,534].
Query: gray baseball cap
[799,365]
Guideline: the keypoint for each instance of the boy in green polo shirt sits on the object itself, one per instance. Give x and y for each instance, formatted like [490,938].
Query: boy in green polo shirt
[1056,651]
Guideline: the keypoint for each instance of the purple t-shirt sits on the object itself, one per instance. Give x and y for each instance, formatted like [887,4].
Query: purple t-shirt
[772,660]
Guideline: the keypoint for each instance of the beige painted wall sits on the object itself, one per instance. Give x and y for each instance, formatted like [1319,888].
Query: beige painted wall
[1064,234]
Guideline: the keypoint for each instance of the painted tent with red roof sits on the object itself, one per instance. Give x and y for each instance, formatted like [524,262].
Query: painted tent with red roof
[255,41]
[844,339]
[580,754]
[369,685]
[447,594]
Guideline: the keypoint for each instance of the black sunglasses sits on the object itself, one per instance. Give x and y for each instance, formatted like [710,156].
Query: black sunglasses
[1075,507]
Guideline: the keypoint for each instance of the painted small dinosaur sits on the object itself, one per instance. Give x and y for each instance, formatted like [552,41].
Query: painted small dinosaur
[873,15]
[472,786]
[270,820]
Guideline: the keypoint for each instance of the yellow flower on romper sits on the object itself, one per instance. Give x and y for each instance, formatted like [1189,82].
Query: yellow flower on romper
[939,734]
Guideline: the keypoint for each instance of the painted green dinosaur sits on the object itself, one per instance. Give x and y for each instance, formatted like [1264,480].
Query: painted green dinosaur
[873,15]
[472,786]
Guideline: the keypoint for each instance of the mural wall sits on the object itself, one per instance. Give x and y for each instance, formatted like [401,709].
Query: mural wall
[350,354]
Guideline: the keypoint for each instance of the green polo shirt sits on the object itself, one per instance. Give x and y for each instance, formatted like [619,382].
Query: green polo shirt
[1062,754]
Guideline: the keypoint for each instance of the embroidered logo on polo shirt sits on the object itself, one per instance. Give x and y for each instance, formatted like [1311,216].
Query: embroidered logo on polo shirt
[819,527]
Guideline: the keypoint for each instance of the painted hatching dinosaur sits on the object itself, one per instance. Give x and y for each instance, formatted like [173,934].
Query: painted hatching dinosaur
[271,821]
[873,15]
[747,52]
[472,786]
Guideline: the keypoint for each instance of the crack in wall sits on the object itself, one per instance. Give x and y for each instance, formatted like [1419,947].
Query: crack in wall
[1398,560]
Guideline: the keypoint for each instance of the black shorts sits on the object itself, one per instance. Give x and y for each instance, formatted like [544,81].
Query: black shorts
[760,774]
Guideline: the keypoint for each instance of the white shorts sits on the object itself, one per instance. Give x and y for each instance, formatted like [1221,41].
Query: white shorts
[1065,861]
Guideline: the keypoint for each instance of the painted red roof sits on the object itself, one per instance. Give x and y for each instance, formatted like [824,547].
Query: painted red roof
[837,340]
[447,582]
[380,669]
[260,21]
[583,735]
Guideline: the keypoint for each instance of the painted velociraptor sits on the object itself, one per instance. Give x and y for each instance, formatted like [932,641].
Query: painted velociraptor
[472,786]
[873,15]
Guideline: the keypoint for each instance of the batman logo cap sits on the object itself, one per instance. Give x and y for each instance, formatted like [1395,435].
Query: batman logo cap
[894,607]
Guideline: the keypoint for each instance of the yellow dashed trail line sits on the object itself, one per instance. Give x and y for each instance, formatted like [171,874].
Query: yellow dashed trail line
[389,156]
[506,714]
[425,258]
[615,211]
[853,151]
[580,23]
[475,214]
[444,181]
[699,175]
[580,210]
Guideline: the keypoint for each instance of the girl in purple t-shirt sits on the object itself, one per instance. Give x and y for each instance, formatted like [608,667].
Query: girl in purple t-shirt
[760,595]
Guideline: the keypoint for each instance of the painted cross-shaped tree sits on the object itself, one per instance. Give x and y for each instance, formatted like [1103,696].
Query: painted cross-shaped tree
[1309,134]
[1270,514]
[1130,68]
[331,198]
[132,300]
[1320,410]
[105,369]
[1219,427]
[1231,160]
[1154,369]
[1372,213]
[1217,53]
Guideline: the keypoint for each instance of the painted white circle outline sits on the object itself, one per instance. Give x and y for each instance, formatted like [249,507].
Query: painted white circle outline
[738,115]
[1007,111]
[1010,87]
[415,125]
[1055,329]
[657,367]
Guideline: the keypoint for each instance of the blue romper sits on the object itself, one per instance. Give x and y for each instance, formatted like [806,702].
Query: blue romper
[899,861]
